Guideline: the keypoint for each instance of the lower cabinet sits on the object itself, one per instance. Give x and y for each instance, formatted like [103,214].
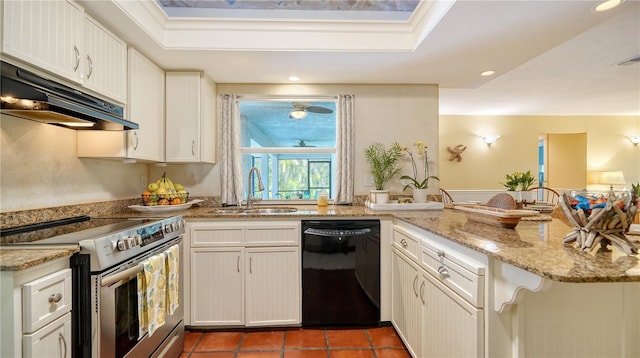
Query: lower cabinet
[54,340]
[436,300]
[245,273]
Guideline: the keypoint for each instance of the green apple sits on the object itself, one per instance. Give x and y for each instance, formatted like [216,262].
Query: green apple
[152,187]
[178,186]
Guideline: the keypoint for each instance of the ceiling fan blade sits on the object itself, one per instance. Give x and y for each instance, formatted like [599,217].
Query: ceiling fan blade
[318,109]
[302,144]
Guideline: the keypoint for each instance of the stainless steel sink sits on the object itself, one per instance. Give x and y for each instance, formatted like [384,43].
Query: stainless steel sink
[255,210]
[273,210]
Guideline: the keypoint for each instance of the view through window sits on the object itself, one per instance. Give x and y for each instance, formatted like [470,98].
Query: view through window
[293,144]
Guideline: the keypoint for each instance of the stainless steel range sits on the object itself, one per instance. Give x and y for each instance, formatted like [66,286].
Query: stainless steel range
[105,281]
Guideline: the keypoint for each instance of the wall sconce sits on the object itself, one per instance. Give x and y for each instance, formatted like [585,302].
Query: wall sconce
[490,138]
[298,113]
[635,139]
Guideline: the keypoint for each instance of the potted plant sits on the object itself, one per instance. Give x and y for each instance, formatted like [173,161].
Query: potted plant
[635,192]
[526,180]
[419,186]
[383,167]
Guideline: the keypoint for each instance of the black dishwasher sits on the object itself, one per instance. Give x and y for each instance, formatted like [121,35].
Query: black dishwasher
[340,273]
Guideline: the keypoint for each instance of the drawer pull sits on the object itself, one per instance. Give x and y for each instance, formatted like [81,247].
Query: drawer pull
[63,342]
[444,273]
[55,298]
[415,290]
[404,243]
[422,292]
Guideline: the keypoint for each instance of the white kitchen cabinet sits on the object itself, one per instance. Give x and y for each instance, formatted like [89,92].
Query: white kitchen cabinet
[244,273]
[45,34]
[406,306]
[52,341]
[105,61]
[438,295]
[190,118]
[36,311]
[146,108]
[217,289]
[273,286]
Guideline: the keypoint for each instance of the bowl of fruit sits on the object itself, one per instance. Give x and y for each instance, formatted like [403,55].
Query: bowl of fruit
[164,195]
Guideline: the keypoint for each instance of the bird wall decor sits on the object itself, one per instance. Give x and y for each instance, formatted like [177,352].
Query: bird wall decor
[456,152]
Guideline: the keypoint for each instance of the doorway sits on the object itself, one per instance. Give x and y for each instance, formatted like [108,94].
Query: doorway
[562,161]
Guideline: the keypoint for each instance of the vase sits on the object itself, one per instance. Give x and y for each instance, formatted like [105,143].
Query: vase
[379,196]
[529,196]
[419,195]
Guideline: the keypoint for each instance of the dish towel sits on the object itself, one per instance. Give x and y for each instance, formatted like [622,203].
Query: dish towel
[152,294]
[173,277]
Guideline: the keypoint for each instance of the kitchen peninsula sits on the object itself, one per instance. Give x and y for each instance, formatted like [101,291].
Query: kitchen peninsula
[534,294]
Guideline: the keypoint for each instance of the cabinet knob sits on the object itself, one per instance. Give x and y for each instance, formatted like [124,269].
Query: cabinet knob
[55,298]
[444,273]
[404,243]
[440,253]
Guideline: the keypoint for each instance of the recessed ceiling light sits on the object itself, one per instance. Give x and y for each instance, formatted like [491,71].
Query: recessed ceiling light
[294,78]
[487,73]
[607,5]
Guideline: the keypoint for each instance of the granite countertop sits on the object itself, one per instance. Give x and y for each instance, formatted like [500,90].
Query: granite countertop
[535,246]
[20,259]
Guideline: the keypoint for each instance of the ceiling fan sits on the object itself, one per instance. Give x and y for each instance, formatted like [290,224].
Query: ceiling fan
[300,110]
[302,144]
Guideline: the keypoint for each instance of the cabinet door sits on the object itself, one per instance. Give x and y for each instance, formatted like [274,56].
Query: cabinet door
[105,61]
[52,340]
[273,286]
[46,34]
[146,107]
[217,286]
[191,118]
[406,308]
[451,327]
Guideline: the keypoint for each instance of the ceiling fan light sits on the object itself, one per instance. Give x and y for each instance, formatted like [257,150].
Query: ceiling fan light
[298,114]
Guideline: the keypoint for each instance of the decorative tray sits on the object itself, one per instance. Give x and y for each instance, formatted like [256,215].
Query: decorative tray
[429,205]
[164,208]
[495,216]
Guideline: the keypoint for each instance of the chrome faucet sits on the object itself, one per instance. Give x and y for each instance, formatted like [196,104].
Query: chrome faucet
[250,198]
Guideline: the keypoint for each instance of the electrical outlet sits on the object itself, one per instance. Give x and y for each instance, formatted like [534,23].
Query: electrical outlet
[143,181]
[368,180]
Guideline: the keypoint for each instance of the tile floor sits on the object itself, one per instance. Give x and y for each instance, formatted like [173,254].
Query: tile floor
[379,342]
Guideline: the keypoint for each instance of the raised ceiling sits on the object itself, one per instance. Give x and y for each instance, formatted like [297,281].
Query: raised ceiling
[550,57]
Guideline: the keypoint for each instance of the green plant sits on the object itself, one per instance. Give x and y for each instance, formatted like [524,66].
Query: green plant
[519,179]
[511,181]
[414,182]
[526,180]
[635,190]
[384,162]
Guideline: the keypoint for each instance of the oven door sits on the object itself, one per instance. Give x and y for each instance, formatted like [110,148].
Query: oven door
[117,312]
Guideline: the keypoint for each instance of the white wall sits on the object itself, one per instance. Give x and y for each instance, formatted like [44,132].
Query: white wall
[39,169]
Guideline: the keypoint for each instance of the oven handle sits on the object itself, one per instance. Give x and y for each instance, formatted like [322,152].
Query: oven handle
[109,280]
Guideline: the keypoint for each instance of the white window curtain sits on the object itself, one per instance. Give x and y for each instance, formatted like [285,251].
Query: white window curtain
[232,192]
[345,148]
[231,161]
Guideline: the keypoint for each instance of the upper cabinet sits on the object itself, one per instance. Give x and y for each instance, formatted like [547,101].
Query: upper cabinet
[190,118]
[105,61]
[146,107]
[58,37]
[46,34]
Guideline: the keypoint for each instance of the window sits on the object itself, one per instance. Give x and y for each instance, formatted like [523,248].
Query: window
[292,143]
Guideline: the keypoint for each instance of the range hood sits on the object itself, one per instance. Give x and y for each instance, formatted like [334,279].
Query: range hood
[27,95]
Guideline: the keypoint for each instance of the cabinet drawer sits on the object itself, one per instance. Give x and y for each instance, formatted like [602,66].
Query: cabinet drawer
[53,340]
[406,243]
[223,235]
[461,275]
[273,233]
[45,299]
